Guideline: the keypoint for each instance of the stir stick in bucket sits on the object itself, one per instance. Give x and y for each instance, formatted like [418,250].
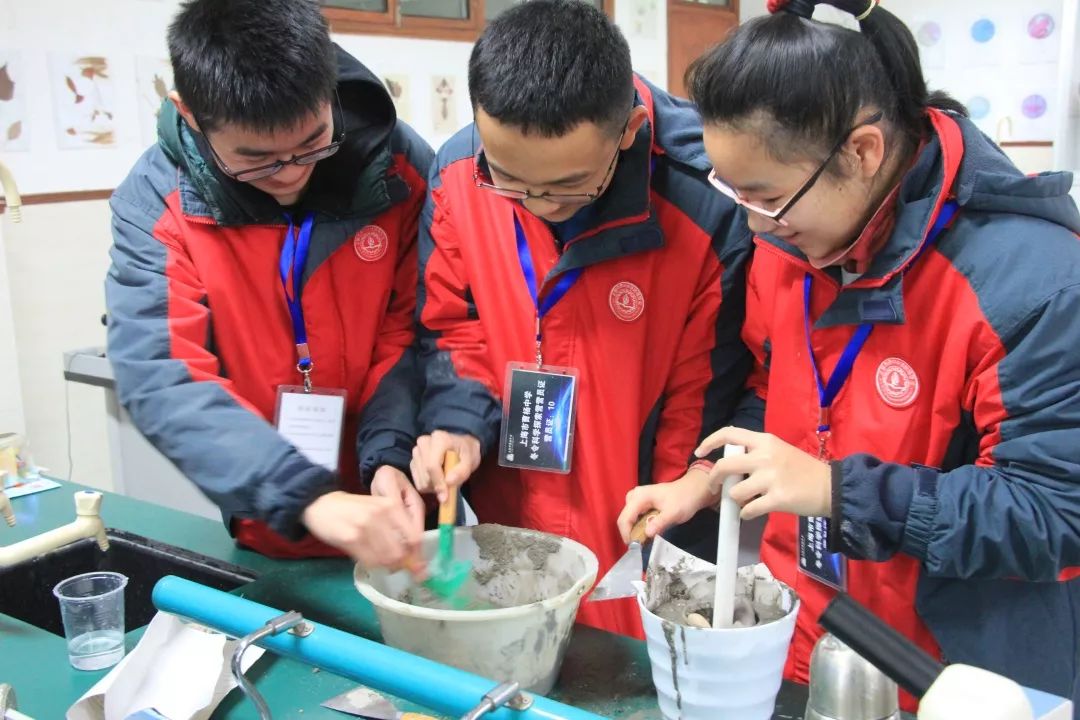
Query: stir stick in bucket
[727,549]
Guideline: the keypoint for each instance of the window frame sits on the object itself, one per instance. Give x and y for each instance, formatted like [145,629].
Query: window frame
[732,6]
[392,22]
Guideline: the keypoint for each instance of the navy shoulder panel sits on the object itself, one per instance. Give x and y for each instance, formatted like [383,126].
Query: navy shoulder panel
[1014,263]
[405,140]
[459,147]
[690,191]
[152,179]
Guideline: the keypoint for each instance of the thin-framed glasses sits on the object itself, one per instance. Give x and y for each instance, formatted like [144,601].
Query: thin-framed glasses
[485,182]
[777,215]
[309,158]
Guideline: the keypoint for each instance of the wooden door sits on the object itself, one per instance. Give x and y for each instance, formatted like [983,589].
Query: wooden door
[694,26]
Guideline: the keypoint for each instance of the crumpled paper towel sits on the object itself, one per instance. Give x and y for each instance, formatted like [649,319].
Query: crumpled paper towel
[179,670]
[685,583]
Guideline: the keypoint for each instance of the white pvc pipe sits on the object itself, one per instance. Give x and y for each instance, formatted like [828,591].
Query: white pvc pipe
[727,548]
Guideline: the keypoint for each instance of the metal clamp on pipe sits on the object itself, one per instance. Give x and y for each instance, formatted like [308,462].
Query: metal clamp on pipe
[445,690]
[507,693]
[291,621]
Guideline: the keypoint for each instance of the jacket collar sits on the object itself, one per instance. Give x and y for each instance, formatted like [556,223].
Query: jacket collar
[877,296]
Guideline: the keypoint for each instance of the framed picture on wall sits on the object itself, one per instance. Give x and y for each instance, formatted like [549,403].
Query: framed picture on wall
[444,104]
[84,98]
[14,126]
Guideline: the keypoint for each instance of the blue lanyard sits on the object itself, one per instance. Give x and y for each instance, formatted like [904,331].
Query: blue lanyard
[828,390]
[545,304]
[294,255]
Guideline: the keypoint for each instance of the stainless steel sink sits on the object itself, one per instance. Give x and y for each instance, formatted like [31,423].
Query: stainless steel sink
[26,588]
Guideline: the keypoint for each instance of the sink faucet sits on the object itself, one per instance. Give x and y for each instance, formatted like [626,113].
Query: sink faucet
[8,704]
[11,194]
[5,508]
[87,524]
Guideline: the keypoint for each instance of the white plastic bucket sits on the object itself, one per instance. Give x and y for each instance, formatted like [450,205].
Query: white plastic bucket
[537,582]
[721,674]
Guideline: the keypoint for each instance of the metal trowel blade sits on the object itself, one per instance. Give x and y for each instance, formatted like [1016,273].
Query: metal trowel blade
[363,702]
[366,703]
[616,584]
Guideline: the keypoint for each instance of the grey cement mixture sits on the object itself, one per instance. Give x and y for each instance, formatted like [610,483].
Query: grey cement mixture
[503,546]
[684,609]
[669,635]
[512,571]
[507,553]
[423,597]
[681,598]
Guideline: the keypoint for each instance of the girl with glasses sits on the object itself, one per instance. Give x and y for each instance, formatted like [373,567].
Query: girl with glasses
[912,427]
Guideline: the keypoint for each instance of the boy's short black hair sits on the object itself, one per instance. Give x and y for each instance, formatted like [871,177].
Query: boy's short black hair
[261,64]
[546,66]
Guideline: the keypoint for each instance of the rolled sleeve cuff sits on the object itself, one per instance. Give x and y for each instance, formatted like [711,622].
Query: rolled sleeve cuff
[921,514]
[872,503]
[286,507]
[388,448]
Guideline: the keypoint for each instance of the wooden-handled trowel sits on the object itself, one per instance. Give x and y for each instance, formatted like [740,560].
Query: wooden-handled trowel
[617,583]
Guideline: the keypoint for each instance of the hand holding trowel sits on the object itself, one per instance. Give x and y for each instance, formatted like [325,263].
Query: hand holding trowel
[616,583]
[447,573]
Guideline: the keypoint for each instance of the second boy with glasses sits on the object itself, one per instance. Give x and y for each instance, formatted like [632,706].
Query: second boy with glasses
[581,291]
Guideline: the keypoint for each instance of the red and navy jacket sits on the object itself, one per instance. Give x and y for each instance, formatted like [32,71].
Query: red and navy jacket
[956,439]
[200,336]
[652,325]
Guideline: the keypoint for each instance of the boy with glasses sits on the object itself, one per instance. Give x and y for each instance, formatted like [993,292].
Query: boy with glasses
[581,287]
[263,284]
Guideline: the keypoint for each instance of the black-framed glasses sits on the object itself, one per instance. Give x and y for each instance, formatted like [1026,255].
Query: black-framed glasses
[309,158]
[485,182]
[777,215]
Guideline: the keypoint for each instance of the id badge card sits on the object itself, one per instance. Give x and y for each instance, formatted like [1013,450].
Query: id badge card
[312,421]
[815,559]
[539,413]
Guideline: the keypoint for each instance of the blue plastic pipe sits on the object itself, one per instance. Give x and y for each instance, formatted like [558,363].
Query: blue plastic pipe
[441,688]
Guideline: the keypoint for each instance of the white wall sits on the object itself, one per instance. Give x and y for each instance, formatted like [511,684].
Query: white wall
[56,262]
[34,34]
[752,8]
[1004,71]
[11,406]
[645,27]
[420,61]
[31,33]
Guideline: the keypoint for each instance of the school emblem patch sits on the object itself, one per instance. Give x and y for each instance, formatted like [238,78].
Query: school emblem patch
[370,243]
[627,301]
[897,383]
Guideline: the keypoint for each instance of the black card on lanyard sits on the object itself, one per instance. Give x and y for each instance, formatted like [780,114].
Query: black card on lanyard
[815,559]
[539,411]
